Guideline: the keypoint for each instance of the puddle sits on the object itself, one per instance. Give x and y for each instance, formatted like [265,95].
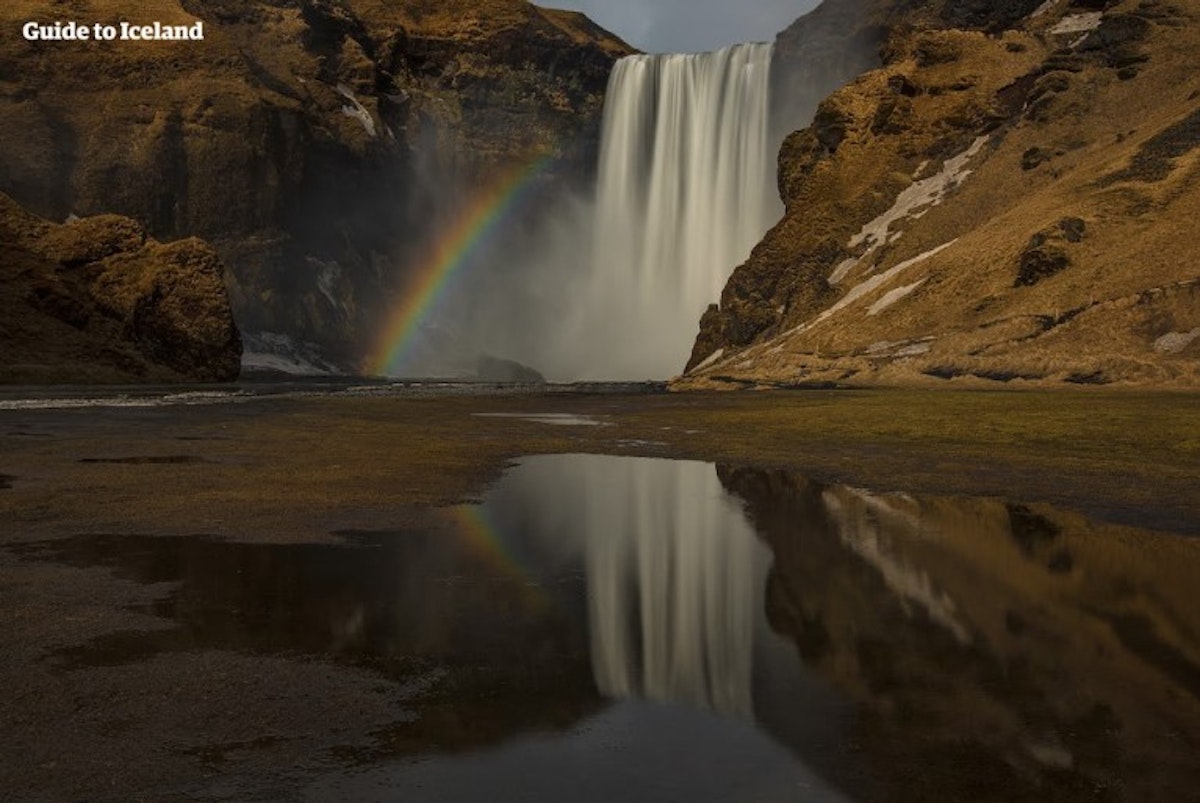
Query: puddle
[554,419]
[608,628]
[140,460]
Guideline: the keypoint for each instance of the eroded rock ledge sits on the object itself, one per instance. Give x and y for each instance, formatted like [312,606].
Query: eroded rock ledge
[97,300]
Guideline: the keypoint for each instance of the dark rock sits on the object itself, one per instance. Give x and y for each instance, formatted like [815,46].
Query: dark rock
[944,371]
[1115,31]
[495,369]
[830,125]
[1072,229]
[1040,261]
[1035,156]
[710,338]
[901,85]
[1030,530]
[1091,378]
[1155,160]
[987,15]
[1045,254]
[891,116]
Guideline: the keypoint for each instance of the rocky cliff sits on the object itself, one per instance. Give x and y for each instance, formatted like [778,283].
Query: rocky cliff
[1010,197]
[308,140]
[96,300]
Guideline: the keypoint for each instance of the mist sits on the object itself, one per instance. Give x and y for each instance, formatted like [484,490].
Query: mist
[609,282]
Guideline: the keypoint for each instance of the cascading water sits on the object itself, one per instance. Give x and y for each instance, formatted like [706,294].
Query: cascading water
[686,188]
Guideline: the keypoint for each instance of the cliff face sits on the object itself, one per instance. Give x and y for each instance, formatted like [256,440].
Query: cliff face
[305,139]
[96,300]
[1010,197]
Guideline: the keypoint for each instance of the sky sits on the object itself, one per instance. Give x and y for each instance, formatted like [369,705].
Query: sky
[688,26]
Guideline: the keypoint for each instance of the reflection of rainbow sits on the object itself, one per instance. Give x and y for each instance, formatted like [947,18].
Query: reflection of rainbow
[484,541]
[445,258]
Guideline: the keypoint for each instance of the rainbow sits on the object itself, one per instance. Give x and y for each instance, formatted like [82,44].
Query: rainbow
[445,259]
[485,542]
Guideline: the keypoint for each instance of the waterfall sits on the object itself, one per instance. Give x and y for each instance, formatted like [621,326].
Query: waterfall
[686,188]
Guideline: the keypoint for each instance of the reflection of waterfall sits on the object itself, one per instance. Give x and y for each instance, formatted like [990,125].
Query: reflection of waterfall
[674,572]
[685,191]
[672,589]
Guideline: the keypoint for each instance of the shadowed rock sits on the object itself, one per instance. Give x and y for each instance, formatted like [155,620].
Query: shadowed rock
[97,300]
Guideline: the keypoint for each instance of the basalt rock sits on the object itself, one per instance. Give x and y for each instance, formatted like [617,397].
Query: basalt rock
[496,369]
[97,300]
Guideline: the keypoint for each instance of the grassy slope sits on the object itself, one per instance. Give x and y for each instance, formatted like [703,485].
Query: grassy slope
[1131,280]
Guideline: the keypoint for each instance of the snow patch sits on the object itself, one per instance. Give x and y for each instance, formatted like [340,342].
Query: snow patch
[874,282]
[920,195]
[710,359]
[892,296]
[1078,23]
[278,353]
[554,419]
[357,110]
[843,268]
[899,348]
[914,349]
[1175,342]
[327,278]
[1043,8]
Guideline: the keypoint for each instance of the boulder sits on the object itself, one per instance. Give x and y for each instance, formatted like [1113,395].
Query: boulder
[96,300]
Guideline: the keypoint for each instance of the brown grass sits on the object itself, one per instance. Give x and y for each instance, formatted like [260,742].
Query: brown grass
[306,467]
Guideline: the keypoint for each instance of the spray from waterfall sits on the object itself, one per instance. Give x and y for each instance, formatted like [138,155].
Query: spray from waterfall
[609,287]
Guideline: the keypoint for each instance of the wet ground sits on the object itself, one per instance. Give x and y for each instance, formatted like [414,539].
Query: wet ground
[331,598]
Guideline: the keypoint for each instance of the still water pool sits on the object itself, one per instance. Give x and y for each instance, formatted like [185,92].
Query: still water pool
[608,628]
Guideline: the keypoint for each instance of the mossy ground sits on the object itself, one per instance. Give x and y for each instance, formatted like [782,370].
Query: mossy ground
[306,467]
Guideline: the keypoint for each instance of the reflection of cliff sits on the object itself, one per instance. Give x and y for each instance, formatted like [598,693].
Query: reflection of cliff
[996,652]
[482,656]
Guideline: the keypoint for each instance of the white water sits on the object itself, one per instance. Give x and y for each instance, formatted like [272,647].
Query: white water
[686,188]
